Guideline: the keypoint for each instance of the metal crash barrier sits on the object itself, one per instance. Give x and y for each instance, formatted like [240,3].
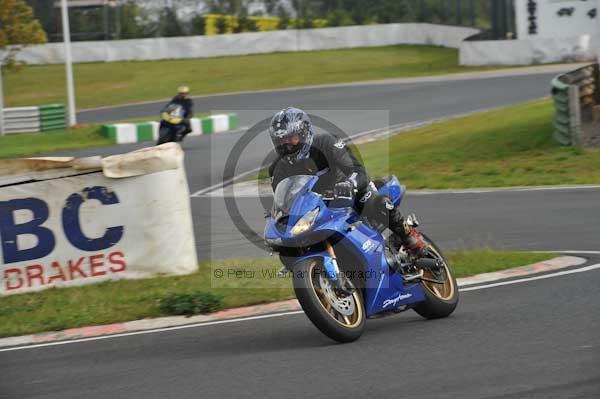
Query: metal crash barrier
[34,119]
[576,95]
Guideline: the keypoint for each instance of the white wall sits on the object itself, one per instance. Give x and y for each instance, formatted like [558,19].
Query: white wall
[550,24]
[249,43]
[529,51]
[558,38]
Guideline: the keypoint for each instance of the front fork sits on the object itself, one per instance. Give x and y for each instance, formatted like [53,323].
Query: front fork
[332,270]
[338,279]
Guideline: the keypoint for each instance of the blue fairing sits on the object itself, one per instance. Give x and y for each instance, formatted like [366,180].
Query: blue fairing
[384,288]
[173,128]
[393,190]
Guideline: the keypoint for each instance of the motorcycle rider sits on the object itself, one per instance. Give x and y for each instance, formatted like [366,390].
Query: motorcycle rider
[187,104]
[301,152]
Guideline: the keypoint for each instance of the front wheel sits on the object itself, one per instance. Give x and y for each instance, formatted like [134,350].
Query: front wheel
[340,318]
[440,299]
[164,136]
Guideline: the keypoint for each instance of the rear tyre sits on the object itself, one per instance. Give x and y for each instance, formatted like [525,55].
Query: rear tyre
[340,318]
[440,299]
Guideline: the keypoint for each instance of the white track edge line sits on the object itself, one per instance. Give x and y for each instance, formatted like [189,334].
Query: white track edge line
[162,329]
[570,252]
[522,280]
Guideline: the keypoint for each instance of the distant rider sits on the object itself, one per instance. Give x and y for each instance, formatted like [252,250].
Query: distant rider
[183,98]
[301,152]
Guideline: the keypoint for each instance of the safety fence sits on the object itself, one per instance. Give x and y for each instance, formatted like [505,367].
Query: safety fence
[34,119]
[123,133]
[575,96]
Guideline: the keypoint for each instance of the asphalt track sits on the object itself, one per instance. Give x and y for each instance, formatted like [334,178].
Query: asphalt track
[535,339]
[537,220]
[355,108]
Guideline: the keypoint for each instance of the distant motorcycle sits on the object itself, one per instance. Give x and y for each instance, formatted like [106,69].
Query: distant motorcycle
[172,128]
[344,269]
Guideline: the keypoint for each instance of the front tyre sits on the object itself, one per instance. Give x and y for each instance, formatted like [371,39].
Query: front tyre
[440,299]
[340,318]
[164,136]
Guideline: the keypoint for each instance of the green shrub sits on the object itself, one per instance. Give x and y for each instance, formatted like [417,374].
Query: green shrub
[197,302]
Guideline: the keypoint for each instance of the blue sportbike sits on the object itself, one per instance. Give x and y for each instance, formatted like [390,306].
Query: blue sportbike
[172,128]
[346,269]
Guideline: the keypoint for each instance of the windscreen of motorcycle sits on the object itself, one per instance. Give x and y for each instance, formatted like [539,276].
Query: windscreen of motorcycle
[285,193]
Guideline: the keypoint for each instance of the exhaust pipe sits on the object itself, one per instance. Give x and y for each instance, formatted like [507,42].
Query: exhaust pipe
[427,264]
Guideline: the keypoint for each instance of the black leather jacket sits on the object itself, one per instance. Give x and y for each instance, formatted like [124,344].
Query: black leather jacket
[329,158]
[187,104]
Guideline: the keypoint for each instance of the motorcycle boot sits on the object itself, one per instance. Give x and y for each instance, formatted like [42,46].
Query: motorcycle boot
[410,238]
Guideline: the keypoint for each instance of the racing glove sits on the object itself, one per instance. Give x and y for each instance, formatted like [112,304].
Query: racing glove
[345,189]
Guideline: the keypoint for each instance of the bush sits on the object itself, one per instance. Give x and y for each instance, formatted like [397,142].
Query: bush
[339,17]
[221,25]
[197,302]
[197,25]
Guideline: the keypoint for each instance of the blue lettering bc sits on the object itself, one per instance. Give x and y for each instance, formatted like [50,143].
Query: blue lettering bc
[72,225]
[11,231]
[46,241]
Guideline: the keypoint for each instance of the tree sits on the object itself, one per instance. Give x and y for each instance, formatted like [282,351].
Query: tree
[284,17]
[87,24]
[18,28]
[305,12]
[44,11]
[271,6]
[339,17]
[171,26]
[197,24]
[228,7]
[133,21]
[245,24]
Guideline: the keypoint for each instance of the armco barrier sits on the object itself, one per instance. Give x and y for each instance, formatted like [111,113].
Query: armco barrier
[34,119]
[52,117]
[575,96]
[123,133]
[67,222]
[21,120]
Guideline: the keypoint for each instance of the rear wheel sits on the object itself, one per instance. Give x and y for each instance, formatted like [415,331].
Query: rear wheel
[440,299]
[341,318]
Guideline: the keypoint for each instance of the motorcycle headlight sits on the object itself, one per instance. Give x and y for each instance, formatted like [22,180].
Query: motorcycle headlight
[305,222]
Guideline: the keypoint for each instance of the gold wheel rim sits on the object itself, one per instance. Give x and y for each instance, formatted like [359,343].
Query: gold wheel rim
[348,321]
[442,291]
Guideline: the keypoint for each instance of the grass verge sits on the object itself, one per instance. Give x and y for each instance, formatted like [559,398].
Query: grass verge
[244,282]
[508,147]
[88,136]
[31,144]
[512,146]
[99,84]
